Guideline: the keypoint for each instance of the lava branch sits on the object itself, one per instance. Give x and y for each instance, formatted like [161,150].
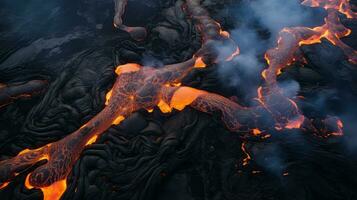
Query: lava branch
[11,92]
[212,35]
[285,53]
[135,88]
[137,33]
[138,87]
[126,96]
[290,40]
[342,6]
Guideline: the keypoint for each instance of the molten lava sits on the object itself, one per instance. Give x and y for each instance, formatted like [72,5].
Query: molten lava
[342,6]
[256,131]
[52,192]
[285,53]
[290,39]
[199,63]
[247,156]
[138,87]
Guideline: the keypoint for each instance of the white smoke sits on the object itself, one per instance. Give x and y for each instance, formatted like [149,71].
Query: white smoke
[257,27]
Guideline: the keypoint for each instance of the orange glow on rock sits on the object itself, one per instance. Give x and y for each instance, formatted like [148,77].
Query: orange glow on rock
[224,33]
[298,121]
[4,185]
[118,120]
[256,131]
[199,63]
[293,124]
[92,140]
[24,151]
[108,96]
[176,84]
[27,183]
[247,156]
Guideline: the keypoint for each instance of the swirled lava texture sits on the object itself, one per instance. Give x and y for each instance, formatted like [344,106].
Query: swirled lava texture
[137,87]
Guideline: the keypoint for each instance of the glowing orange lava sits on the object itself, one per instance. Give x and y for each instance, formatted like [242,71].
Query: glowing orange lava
[247,156]
[256,131]
[52,192]
[285,53]
[343,6]
[137,87]
[184,97]
[199,63]
[4,185]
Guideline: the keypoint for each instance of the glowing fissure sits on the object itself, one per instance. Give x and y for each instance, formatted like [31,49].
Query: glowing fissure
[138,87]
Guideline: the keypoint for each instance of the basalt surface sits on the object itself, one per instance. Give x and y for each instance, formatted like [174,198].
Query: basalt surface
[73,49]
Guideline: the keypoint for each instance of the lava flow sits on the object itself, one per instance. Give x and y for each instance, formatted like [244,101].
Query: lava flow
[290,39]
[288,43]
[137,33]
[138,87]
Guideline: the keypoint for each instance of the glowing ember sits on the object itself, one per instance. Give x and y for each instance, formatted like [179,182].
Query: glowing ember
[224,34]
[295,123]
[256,132]
[4,185]
[199,63]
[247,158]
[92,140]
